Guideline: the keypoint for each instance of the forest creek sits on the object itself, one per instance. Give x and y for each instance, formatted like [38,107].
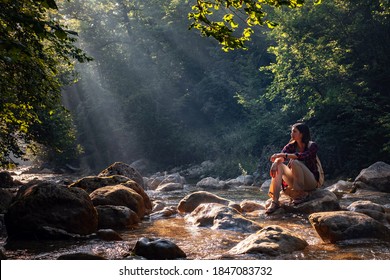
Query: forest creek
[217,234]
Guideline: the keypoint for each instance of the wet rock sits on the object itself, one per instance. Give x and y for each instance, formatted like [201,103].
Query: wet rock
[169,187]
[265,186]
[158,249]
[5,200]
[272,240]
[218,216]
[377,197]
[343,225]
[119,195]
[48,205]
[116,217]
[211,183]
[80,256]
[108,235]
[243,180]
[320,200]
[158,205]
[92,183]
[250,206]
[369,208]
[170,182]
[193,200]
[173,178]
[341,187]
[375,177]
[120,168]
[164,213]
[6,180]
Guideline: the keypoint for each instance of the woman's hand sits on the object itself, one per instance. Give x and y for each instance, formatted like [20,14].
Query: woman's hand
[274,157]
[274,169]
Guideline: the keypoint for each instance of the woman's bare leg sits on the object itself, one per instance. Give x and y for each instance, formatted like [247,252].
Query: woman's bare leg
[276,183]
[303,181]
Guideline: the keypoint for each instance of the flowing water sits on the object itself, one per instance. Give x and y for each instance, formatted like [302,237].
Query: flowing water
[201,242]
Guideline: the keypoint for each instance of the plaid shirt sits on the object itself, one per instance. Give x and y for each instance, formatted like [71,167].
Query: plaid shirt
[308,156]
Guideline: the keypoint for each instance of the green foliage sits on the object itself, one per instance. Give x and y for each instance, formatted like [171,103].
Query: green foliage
[232,22]
[331,69]
[35,52]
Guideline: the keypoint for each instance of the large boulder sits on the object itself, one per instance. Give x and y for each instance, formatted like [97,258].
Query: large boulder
[343,225]
[272,240]
[116,217]
[193,200]
[219,216]
[120,168]
[6,180]
[320,200]
[48,206]
[158,249]
[375,177]
[92,183]
[374,210]
[119,195]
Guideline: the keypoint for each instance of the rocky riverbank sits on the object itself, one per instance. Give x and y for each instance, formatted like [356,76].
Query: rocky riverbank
[119,198]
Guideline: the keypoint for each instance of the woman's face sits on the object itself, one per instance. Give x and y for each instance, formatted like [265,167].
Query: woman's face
[296,134]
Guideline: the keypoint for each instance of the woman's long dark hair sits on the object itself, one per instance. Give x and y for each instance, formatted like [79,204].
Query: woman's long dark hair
[304,129]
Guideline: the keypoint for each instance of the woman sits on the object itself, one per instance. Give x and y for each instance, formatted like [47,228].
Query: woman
[300,176]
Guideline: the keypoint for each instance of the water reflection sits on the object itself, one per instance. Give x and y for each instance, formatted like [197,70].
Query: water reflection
[205,243]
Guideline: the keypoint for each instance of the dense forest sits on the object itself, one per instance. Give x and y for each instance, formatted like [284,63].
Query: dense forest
[88,83]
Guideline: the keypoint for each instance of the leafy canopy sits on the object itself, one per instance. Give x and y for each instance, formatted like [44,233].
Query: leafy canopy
[231,22]
[37,54]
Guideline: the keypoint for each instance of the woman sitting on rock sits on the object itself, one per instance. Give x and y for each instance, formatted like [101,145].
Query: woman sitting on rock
[300,176]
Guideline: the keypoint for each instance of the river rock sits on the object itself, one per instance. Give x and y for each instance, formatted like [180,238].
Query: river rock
[272,240]
[343,225]
[158,205]
[6,180]
[49,205]
[164,213]
[193,200]
[120,168]
[376,177]
[369,208]
[169,187]
[265,186]
[119,195]
[92,183]
[320,200]
[250,206]
[158,249]
[5,200]
[218,216]
[138,189]
[341,187]
[211,183]
[116,217]
[108,235]
[243,180]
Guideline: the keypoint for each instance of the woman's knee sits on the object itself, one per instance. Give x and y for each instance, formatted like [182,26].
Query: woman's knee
[296,163]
